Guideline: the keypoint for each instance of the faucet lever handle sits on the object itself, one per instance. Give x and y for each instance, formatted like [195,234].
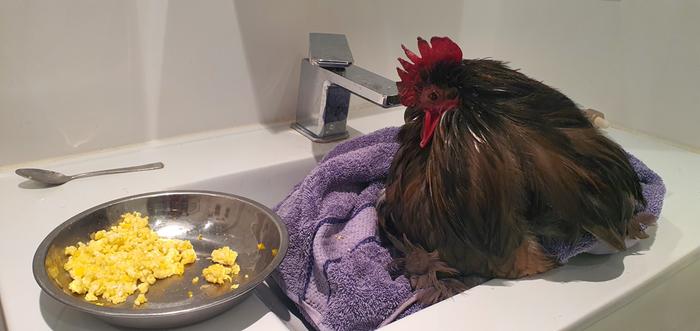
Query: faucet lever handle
[329,50]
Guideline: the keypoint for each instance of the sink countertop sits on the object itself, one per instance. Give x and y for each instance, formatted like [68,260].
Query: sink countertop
[570,297]
[30,214]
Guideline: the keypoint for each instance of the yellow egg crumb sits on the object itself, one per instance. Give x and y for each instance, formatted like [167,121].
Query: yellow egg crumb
[216,273]
[225,266]
[127,257]
[189,294]
[195,280]
[235,269]
[143,287]
[224,255]
[261,246]
[141,299]
[199,237]
[234,286]
[274,251]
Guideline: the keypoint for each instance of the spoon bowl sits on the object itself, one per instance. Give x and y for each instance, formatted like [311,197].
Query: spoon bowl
[50,177]
[44,176]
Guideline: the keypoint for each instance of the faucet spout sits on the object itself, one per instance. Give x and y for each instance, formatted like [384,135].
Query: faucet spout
[328,77]
[368,85]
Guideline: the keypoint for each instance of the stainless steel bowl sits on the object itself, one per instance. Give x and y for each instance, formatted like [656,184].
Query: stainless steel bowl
[221,220]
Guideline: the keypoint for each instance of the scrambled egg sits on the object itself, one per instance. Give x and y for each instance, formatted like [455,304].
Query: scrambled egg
[140,299]
[216,273]
[224,267]
[224,255]
[128,257]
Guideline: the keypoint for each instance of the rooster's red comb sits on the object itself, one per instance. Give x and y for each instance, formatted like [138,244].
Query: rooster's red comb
[440,49]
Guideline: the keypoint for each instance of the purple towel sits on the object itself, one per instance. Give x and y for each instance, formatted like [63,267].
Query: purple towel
[335,268]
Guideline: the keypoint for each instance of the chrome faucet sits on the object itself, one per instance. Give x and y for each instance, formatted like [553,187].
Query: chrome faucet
[328,76]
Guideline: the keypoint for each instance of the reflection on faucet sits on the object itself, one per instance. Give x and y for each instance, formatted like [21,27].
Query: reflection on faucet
[328,77]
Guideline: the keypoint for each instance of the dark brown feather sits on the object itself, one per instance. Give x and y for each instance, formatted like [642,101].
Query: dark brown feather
[515,161]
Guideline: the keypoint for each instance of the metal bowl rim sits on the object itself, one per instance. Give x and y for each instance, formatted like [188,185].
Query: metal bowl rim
[43,280]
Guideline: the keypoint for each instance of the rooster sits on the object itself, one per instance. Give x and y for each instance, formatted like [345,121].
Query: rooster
[490,163]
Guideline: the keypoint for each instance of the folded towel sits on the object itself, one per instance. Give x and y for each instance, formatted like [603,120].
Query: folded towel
[335,268]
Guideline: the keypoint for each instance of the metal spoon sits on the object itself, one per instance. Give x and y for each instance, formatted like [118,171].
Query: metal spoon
[57,178]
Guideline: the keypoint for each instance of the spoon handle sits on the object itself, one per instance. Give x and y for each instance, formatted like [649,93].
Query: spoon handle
[150,166]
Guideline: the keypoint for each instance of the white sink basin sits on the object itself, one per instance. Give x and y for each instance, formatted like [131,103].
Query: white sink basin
[590,292]
[264,164]
[268,185]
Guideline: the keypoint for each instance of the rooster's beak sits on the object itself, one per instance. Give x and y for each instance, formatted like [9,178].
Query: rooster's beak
[432,118]
[430,122]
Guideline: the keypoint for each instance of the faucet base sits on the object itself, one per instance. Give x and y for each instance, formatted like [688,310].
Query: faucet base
[327,139]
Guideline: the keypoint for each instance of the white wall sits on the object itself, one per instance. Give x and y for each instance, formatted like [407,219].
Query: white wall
[660,43]
[81,75]
[69,78]
[635,60]
[570,45]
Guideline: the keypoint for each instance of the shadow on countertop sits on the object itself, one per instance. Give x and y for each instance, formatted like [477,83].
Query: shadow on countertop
[62,318]
[597,268]
[3,327]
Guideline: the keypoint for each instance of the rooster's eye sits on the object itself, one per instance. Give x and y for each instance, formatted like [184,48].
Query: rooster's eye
[433,96]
